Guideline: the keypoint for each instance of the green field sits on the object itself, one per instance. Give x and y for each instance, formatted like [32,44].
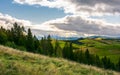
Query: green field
[15,62]
[98,46]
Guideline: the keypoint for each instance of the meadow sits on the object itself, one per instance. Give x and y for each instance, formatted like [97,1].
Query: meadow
[99,46]
[16,62]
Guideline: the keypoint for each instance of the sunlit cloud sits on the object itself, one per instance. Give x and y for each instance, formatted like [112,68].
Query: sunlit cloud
[81,7]
[7,22]
[83,25]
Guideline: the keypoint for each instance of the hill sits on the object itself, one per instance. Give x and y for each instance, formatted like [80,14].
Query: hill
[99,46]
[15,62]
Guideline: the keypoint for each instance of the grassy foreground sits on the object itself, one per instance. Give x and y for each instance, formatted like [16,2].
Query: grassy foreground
[15,62]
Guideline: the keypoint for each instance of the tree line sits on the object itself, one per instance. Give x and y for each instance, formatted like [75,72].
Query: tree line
[17,37]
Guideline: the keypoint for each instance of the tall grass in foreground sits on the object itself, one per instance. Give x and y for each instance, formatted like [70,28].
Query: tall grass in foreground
[15,62]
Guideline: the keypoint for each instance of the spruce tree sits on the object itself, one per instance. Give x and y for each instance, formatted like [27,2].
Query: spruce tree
[98,61]
[80,56]
[36,44]
[49,45]
[57,49]
[30,41]
[17,34]
[3,37]
[70,51]
[118,65]
[87,57]
[65,50]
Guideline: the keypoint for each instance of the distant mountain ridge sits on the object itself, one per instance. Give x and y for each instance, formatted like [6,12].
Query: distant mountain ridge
[78,38]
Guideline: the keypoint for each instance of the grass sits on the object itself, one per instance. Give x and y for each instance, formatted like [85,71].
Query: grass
[15,62]
[101,47]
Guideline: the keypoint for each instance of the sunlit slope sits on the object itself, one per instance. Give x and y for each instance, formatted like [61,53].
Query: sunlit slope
[15,62]
[99,46]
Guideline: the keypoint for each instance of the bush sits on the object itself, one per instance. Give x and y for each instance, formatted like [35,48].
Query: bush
[3,38]
[21,48]
[11,44]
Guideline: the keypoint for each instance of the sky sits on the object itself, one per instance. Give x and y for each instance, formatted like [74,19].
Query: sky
[65,18]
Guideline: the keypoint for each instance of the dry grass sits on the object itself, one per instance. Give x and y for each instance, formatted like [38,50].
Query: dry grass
[15,62]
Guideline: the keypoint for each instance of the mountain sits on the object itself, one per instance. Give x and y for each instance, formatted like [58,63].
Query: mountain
[15,62]
[104,37]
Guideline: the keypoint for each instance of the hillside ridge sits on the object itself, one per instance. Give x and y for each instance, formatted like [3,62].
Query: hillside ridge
[15,62]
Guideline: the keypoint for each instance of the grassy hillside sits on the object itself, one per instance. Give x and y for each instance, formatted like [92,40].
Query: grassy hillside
[101,47]
[15,62]
[110,48]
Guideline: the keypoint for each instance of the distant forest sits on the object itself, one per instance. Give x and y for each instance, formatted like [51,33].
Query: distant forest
[18,38]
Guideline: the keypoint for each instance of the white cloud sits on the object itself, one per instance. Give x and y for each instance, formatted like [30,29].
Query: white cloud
[7,22]
[85,26]
[81,7]
[68,26]
[77,24]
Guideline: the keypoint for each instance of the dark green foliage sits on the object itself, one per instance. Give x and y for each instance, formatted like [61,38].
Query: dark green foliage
[46,46]
[57,50]
[36,45]
[17,32]
[11,44]
[87,57]
[79,56]
[118,65]
[68,51]
[22,41]
[49,45]
[98,61]
[90,59]
[30,42]
[65,50]
[3,38]
[107,64]
[42,46]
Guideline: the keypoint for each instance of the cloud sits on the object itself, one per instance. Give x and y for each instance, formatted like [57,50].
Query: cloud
[69,26]
[81,7]
[77,24]
[85,26]
[7,22]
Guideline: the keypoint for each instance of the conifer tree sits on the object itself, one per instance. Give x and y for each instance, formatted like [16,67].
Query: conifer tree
[87,57]
[3,37]
[79,56]
[107,63]
[65,50]
[98,61]
[49,46]
[30,41]
[17,34]
[36,44]
[68,51]
[118,65]
[57,50]
[42,45]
